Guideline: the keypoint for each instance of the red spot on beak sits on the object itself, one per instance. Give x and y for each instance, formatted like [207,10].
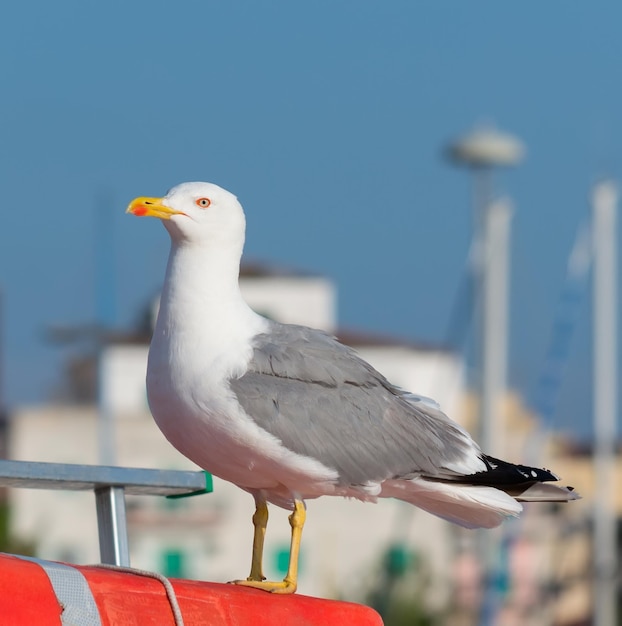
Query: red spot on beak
[140,211]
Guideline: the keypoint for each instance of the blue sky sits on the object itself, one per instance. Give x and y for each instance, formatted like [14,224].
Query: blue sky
[328,120]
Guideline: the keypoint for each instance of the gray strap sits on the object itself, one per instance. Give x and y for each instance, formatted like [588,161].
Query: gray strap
[72,592]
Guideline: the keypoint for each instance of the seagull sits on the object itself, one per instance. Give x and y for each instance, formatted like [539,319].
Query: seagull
[287,412]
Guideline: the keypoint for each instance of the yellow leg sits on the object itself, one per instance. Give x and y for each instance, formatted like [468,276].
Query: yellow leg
[260,521]
[290,582]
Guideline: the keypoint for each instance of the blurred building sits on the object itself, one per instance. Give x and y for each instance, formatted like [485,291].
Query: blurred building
[386,553]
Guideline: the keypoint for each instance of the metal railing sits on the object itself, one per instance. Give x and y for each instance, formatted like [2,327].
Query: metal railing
[110,484]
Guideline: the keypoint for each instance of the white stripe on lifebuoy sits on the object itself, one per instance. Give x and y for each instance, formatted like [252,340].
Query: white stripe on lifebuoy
[72,592]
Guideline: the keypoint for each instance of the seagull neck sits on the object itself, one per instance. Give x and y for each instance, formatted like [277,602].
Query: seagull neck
[206,278]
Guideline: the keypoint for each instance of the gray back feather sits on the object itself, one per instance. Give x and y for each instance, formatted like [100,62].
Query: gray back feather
[323,401]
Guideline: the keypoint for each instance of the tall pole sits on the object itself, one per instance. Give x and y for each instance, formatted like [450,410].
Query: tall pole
[604,201]
[494,292]
[494,335]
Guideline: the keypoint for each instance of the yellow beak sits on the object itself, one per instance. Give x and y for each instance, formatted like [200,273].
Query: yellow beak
[151,207]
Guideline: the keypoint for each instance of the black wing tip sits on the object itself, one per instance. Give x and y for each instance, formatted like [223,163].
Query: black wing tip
[505,473]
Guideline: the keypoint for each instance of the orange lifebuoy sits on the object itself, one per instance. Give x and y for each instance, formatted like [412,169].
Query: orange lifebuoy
[43,593]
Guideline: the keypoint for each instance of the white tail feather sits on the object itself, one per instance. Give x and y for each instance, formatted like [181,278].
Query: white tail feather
[545,492]
[466,505]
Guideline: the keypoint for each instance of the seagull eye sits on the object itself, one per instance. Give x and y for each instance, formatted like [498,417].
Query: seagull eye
[203,202]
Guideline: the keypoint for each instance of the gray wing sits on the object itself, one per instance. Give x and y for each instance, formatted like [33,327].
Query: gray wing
[323,401]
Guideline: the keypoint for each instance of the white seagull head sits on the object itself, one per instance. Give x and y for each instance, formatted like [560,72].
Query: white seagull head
[195,213]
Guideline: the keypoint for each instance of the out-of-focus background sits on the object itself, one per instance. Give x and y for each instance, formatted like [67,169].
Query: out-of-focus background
[436,183]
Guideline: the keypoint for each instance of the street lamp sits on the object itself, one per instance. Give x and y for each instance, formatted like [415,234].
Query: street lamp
[482,150]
